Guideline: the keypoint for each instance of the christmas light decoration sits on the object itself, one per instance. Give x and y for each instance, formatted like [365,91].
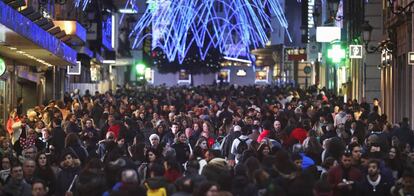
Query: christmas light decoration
[130,5]
[179,24]
[82,4]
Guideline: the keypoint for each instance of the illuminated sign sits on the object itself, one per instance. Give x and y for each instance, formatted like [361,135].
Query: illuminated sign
[74,69]
[355,51]
[241,73]
[107,33]
[328,34]
[2,67]
[223,76]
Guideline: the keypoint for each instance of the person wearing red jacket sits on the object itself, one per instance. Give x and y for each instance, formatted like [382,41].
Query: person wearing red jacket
[12,119]
[344,177]
[300,133]
[267,126]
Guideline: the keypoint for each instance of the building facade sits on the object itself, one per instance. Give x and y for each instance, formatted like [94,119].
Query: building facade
[397,76]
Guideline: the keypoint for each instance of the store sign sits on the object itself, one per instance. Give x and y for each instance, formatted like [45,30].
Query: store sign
[223,76]
[74,69]
[328,34]
[307,69]
[355,51]
[2,67]
[411,58]
[241,73]
[184,77]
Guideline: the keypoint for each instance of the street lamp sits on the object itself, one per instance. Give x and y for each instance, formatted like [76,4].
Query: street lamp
[366,36]
[400,10]
[333,8]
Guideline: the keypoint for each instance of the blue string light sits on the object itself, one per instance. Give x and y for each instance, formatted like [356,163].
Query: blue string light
[130,4]
[223,23]
[82,4]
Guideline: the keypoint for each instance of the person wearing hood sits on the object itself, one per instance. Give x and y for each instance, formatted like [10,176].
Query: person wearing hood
[70,165]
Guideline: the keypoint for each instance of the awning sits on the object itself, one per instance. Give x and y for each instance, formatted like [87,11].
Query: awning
[24,41]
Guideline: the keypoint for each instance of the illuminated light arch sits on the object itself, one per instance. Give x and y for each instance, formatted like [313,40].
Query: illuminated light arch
[241,22]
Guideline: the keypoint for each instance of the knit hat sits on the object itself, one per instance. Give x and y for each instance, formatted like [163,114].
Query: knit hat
[152,136]
[237,128]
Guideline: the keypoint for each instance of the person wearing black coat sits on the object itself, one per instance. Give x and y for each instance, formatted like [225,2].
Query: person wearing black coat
[45,172]
[70,165]
[182,148]
[375,183]
[73,143]
[228,141]
[58,136]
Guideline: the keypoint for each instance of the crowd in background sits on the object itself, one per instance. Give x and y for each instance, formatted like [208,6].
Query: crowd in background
[206,141]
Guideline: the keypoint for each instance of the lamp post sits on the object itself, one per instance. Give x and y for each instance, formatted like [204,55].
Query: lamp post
[366,36]
[400,10]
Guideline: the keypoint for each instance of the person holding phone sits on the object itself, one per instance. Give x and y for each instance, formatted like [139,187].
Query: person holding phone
[343,178]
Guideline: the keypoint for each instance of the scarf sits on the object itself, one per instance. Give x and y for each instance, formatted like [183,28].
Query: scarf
[375,183]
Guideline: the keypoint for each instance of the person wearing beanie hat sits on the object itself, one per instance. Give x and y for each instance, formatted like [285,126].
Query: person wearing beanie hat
[154,139]
[70,165]
[155,144]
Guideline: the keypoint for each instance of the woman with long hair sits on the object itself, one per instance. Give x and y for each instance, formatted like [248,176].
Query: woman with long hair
[394,162]
[73,143]
[150,159]
[263,151]
[182,148]
[208,132]
[45,172]
[202,145]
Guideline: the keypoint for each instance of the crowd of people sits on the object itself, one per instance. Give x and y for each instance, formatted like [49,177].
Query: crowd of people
[206,141]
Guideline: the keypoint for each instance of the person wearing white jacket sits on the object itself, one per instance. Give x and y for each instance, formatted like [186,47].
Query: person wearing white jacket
[18,128]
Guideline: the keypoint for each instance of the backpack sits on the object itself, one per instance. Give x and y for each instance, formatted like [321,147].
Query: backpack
[242,146]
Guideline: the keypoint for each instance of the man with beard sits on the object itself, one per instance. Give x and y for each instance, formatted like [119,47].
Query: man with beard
[343,177]
[374,183]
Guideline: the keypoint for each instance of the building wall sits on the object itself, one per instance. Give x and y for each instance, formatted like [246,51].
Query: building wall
[171,79]
[397,79]
[371,73]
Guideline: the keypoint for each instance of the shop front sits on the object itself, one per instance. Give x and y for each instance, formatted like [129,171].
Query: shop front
[30,53]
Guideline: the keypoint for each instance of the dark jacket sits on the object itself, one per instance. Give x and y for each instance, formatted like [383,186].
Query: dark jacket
[228,142]
[48,176]
[182,151]
[242,187]
[168,138]
[72,128]
[14,188]
[58,139]
[80,152]
[382,189]
[65,178]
